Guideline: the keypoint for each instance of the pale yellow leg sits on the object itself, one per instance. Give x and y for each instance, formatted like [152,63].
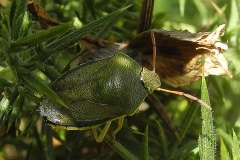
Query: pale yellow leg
[99,138]
[103,133]
[120,124]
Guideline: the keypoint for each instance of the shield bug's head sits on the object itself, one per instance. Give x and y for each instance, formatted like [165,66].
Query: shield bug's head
[150,80]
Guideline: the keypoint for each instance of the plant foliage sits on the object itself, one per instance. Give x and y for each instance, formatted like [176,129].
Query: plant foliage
[31,57]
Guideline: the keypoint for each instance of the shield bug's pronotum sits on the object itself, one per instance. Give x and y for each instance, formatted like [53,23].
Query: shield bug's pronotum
[100,92]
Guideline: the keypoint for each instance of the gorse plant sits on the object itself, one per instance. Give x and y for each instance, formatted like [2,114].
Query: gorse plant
[20,56]
[31,58]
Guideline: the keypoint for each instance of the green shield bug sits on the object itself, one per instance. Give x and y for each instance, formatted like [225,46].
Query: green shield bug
[100,92]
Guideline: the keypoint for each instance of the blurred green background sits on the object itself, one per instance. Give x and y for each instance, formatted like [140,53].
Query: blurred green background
[25,140]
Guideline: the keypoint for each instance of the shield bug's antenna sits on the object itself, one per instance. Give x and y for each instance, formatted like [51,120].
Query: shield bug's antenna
[154,50]
[186,95]
[170,91]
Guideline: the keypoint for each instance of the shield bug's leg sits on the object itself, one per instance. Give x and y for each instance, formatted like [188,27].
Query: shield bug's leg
[186,95]
[103,133]
[99,138]
[120,123]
